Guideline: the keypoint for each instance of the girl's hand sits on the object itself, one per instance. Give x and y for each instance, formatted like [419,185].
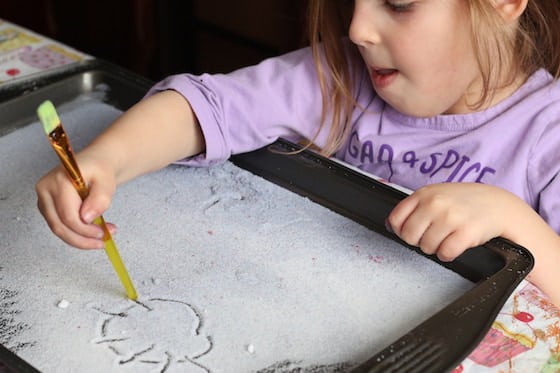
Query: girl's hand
[447,219]
[67,215]
[153,133]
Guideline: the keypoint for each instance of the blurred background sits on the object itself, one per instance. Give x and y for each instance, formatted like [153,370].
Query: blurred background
[156,38]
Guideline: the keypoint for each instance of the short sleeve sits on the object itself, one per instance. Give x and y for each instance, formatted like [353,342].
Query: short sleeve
[251,107]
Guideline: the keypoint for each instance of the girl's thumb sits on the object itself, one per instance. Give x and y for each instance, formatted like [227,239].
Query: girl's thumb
[96,203]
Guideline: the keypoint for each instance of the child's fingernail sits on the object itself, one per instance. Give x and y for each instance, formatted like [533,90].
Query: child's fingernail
[88,217]
[388,226]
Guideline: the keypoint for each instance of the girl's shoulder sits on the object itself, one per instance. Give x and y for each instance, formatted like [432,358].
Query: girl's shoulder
[540,107]
[540,92]
[533,108]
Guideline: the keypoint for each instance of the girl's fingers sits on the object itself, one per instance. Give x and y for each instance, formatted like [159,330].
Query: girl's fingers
[433,238]
[75,240]
[66,234]
[450,248]
[70,218]
[67,225]
[400,214]
[408,222]
[111,227]
[97,202]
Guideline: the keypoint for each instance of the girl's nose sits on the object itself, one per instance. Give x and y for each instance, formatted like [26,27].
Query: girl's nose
[363,31]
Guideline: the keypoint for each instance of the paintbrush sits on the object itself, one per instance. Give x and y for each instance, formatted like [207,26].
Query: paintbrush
[61,145]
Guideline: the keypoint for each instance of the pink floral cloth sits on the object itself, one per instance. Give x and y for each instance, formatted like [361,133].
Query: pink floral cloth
[524,338]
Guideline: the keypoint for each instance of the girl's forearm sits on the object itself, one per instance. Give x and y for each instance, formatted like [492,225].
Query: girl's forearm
[528,229]
[155,132]
[544,244]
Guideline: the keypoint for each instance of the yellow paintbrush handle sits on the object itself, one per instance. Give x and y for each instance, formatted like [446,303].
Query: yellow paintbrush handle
[116,260]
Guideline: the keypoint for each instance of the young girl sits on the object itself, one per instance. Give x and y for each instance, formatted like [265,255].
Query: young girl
[454,99]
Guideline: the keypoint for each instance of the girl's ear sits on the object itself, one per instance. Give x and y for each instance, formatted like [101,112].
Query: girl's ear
[510,10]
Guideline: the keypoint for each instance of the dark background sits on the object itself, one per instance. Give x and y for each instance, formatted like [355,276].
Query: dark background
[156,38]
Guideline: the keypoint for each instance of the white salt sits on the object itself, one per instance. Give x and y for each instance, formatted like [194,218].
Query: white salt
[63,304]
[251,348]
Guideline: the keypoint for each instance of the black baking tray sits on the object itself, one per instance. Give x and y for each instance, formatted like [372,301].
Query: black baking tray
[443,341]
[438,344]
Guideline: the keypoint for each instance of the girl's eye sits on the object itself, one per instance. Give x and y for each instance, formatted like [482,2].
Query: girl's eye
[399,7]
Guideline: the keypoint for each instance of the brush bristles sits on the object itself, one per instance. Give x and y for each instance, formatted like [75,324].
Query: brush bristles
[48,116]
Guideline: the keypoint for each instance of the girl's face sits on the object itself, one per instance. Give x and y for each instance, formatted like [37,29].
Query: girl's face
[419,54]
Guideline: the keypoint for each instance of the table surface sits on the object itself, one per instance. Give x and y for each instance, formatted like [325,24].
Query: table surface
[525,337]
[24,53]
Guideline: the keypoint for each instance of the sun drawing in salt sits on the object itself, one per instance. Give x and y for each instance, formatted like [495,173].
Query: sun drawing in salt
[159,332]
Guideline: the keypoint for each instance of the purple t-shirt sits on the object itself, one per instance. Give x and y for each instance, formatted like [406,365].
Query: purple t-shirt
[514,145]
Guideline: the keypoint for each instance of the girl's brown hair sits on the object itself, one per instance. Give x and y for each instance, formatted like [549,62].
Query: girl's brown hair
[535,45]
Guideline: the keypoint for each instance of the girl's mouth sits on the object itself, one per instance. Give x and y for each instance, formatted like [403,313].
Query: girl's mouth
[382,78]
